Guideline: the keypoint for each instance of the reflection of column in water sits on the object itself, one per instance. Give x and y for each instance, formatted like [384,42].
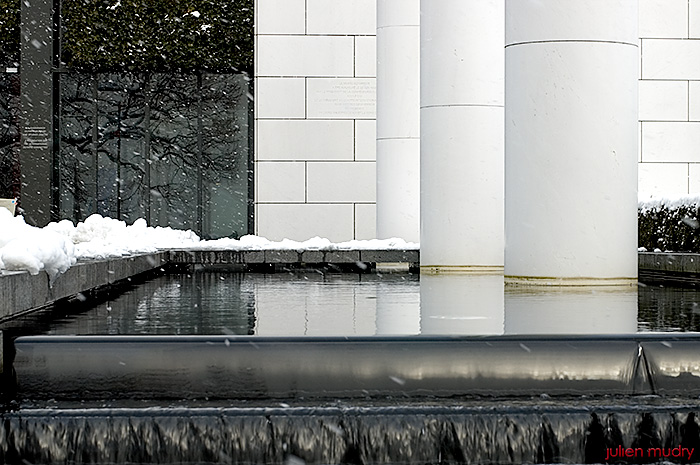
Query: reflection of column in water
[461,304]
[571,310]
[312,304]
[398,308]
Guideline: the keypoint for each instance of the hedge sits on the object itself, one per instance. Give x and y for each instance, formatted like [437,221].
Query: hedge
[9,33]
[671,225]
[146,35]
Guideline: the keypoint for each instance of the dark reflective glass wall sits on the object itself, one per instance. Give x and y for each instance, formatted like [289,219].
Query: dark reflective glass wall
[172,148]
[9,134]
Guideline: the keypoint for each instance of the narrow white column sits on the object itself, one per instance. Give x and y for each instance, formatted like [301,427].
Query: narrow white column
[571,141]
[398,119]
[462,135]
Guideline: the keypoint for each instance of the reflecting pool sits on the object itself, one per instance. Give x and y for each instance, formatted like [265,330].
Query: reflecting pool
[325,304]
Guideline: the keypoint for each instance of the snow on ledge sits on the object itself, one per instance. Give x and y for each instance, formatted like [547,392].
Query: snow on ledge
[58,246]
[651,202]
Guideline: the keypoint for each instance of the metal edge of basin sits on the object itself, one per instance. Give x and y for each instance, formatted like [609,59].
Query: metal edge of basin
[245,367]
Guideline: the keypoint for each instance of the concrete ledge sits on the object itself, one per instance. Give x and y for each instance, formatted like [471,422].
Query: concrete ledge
[669,268]
[390,256]
[667,261]
[288,257]
[21,291]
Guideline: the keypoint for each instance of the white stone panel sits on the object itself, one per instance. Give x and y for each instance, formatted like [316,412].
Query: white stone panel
[694,101]
[280,98]
[365,56]
[694,178]
[351,17]
[305,56]
[280,17]
[341,182]
[365,140]
[660,179]
[305,140]
[663,19]
[255,55]
[670,59]
[663,100]
[547,20]
[256,210]
[300,222]
[365,220]
[694,20]
[280,181]
[671,142]
[340,98]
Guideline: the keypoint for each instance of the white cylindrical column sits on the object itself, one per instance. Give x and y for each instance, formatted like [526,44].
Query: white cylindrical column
[398,119]
[571,141]
[462,135]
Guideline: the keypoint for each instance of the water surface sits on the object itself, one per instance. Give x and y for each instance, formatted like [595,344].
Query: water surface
[318,304]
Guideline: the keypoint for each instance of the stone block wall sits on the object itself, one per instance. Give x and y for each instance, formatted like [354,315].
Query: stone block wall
[315,114]
[315,119]
[669,97]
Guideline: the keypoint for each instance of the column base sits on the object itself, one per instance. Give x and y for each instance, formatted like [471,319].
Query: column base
[584,282]
[460,269]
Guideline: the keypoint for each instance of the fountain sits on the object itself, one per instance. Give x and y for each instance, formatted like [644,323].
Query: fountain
[471,376]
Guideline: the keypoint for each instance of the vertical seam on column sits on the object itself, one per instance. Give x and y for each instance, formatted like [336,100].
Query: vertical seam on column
[306,17]
[354,140]
[306,182]
[641,59]
[306,97]
[354,220]
[641,145]
[354,56]
[687,100]
[687,179]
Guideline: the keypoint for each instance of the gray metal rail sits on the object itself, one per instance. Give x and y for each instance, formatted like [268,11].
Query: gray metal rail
[225,367]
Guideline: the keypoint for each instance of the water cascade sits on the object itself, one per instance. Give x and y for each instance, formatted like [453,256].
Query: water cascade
[357,435]
[420,399]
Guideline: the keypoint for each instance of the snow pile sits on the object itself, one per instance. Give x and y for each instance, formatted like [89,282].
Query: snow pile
[24,247]
[99,237]
[59,245]
[657,203]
